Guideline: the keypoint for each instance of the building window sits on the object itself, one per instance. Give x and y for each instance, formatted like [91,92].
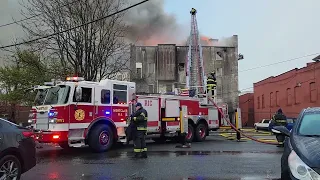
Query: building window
[258,100]
[119,94]
[263,103]
[181,66]
[139,70]
[297,94]
[151,88]
[105,96]
[313,92]
[289,97]
[271,99]
[277,98]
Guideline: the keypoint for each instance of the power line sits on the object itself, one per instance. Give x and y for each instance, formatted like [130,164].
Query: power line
[31,17]
[288,60]
[50,35]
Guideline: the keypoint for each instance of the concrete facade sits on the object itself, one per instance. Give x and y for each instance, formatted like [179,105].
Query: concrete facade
[291,91]
[157,69]
[246,104]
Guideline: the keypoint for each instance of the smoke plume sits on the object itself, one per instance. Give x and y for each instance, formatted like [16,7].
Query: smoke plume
[149,24]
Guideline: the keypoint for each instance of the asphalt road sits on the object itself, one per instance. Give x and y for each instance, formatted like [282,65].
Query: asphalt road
[217,158]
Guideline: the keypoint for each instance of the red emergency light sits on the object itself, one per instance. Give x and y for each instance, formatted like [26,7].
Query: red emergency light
[75,79]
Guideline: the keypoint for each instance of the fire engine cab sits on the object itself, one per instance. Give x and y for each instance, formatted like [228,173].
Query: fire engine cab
[77,113]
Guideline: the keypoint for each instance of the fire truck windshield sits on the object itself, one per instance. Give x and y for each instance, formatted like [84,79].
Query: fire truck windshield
[57,95]
[41,95]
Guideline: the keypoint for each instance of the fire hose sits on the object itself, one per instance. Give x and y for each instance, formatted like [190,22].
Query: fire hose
[237,130]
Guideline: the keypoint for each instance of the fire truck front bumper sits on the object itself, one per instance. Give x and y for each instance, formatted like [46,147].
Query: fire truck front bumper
[50,136]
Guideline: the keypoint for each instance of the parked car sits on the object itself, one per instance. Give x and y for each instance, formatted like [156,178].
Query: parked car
[301,156]
[263,125]
[17,150]
[290,123]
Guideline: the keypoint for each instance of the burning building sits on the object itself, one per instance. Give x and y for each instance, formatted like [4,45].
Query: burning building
[161,68]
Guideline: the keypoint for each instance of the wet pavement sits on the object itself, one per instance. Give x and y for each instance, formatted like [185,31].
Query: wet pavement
[217,158]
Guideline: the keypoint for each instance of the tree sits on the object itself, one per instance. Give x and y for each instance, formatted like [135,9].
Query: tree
[19,77]
[94,51]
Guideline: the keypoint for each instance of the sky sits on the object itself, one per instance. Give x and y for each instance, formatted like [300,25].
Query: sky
[269,31]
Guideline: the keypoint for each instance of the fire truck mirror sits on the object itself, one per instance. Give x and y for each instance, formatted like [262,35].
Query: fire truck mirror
[78,94]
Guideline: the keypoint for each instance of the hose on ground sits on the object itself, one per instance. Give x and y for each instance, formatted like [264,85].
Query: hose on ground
[233,127]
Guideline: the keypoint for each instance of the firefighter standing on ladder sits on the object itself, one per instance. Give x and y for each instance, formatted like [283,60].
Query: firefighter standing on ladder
[211,83]
[140,119]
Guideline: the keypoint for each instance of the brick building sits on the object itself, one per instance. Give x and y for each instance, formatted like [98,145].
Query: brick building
[291,91]
[246,104]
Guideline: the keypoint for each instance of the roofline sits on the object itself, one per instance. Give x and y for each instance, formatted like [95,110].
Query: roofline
[295,69]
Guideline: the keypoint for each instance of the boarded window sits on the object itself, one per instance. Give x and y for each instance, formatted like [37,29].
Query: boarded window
[313,92]
[262,99]
[297,94]
[289,97]
[258,101]
[151,68]
[139,72]
[151,88]
[271,100]
[277,98]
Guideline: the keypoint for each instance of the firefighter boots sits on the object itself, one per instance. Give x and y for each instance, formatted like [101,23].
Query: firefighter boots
[144,154]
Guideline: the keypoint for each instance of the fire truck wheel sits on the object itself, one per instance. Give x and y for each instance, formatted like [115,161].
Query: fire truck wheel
[101,138]
[190,135]
[200,132]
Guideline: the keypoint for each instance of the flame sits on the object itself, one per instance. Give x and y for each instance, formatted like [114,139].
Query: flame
[206,41]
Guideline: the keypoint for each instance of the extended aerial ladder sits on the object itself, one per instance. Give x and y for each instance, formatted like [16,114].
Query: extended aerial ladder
[195,76]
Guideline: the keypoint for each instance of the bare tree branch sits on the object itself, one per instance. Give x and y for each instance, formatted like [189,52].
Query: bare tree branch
[94,51]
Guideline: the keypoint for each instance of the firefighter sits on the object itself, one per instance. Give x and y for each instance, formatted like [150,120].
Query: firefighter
[211,83]
[140,119]
[279,119]
[193,11]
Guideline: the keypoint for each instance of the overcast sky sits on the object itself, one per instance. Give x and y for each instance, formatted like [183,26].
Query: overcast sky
[269,30]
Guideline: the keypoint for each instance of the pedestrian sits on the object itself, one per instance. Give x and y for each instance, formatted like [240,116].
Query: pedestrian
[140,119]
[279,119]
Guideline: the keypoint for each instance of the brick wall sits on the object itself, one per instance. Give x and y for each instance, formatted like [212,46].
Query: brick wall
[246,104]
[291,91]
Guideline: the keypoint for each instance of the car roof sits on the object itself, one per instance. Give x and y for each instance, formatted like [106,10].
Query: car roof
[8,122]
[312,109]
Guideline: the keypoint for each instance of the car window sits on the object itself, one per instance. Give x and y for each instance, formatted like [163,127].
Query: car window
[266,121]
[310,124]
[10,124]
[290,120]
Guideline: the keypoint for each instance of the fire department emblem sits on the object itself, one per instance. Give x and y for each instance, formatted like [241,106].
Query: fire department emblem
[79,115]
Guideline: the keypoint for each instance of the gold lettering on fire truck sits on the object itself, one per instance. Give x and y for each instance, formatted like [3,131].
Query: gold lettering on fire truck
[42,108]
[79,115]
[120,112]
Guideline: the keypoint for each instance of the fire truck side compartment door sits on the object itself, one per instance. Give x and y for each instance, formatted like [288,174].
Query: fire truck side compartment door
[213,118]
[172,108]
[153,109]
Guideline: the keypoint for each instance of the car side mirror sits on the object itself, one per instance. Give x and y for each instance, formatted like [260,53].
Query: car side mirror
[281,130]
[78,94]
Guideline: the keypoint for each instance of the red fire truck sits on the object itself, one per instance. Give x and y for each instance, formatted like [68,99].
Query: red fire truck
[77,113]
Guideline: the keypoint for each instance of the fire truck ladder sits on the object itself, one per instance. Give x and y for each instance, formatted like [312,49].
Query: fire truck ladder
[195,76]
